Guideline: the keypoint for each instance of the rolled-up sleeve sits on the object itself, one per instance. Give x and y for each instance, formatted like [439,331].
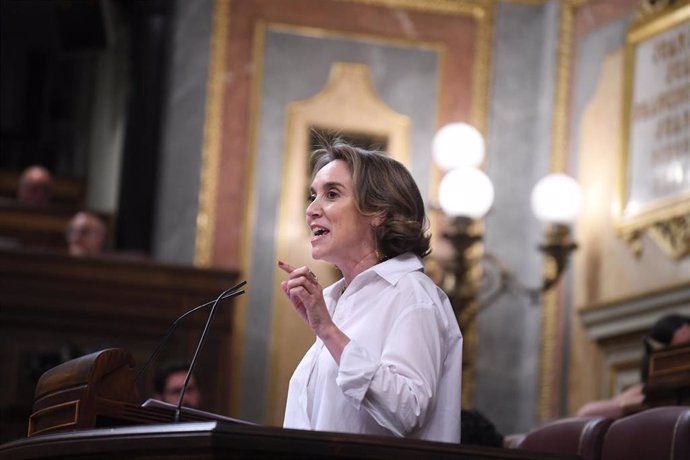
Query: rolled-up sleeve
[398,389]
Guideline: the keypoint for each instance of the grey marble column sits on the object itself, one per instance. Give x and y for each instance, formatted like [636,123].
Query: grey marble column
[524,53]
[183,129]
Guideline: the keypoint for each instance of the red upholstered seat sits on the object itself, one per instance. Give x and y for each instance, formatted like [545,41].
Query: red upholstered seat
[582,436]
[653,434]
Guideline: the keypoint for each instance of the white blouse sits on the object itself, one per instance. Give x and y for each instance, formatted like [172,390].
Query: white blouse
[400,374]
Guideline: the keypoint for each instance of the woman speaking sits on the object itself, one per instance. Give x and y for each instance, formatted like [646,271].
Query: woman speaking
[388,353]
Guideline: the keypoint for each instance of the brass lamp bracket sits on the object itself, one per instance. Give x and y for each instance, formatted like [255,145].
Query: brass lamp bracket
[558,248]
[465,281]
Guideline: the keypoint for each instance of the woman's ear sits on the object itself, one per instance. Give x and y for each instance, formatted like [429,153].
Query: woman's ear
[377,220]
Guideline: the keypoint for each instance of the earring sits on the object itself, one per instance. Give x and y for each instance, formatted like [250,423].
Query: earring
[376,244]
[379,256]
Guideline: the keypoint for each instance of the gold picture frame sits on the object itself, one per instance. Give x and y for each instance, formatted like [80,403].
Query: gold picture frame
[655,166]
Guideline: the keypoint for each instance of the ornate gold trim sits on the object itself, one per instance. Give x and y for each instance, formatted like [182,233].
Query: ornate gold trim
[560,118]
[550,307]
[649,10]
[547,353]
[673,236]
[660,219]
[482,69]
[462,7]
[319,32]
[210,158]
[525,2]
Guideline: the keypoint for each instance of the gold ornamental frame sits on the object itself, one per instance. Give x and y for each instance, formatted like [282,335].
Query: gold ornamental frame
[665,219]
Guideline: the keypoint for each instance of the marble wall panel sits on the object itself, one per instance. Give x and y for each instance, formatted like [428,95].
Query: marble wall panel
[180,165]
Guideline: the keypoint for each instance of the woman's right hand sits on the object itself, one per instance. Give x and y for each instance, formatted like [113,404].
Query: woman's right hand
[306,295]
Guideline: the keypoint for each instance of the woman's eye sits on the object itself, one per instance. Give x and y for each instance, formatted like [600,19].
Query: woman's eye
[311,197]
[332,195]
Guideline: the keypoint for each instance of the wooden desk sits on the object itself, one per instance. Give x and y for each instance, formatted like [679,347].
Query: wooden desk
[216,440]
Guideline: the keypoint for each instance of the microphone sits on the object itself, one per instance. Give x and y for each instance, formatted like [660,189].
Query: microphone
[227,294]
[232,292]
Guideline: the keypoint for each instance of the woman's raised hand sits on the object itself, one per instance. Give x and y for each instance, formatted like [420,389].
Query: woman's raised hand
[306,295]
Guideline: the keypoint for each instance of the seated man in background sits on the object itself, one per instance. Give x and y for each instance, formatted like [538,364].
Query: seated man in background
[35,187]
[86,235]
[168,384]
[668,330]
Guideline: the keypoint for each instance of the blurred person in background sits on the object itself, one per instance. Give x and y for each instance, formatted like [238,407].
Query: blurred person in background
[35,187]
[86,235]
[168,384]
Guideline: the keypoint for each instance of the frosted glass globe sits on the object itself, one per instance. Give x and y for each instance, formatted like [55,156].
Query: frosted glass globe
[466,192]
[457,144]
[556,199]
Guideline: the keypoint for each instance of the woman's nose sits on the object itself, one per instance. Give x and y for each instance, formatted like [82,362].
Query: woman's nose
[314,208]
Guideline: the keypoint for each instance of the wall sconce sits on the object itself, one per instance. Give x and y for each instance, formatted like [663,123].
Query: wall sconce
[466,194]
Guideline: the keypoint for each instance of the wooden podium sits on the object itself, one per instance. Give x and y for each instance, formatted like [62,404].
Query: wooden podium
[88,408]
[98,390]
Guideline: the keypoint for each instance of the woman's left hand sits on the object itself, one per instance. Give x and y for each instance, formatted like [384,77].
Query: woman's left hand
[306,294]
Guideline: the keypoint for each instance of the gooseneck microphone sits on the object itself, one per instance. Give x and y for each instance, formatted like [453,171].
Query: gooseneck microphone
[227,294]
[232,292]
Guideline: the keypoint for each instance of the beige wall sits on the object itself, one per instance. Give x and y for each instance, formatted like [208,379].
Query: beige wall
[607,272]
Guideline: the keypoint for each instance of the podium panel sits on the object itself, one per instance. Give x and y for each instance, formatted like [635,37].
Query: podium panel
[221,440]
